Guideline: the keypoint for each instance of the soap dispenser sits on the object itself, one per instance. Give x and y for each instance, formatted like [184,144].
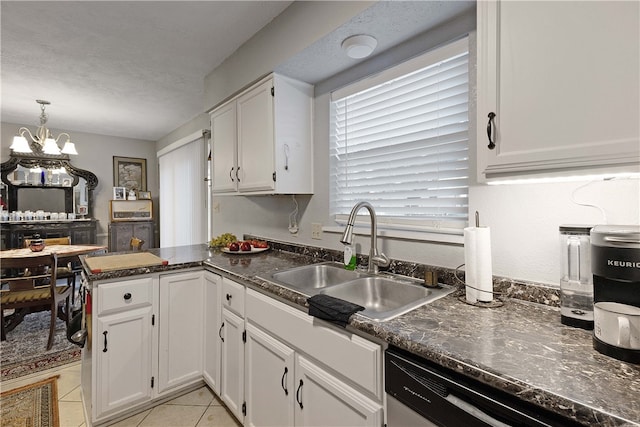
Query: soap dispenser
[349,257]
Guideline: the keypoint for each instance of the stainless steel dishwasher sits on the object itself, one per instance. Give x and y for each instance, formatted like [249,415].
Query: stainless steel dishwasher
[421,393]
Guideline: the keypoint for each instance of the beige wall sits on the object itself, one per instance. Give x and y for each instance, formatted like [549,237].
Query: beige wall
[95,153]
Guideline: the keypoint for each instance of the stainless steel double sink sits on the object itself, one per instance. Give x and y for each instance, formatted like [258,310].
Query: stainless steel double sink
[383,296]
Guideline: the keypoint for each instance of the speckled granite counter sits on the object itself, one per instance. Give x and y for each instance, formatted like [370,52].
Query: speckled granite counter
[521,347]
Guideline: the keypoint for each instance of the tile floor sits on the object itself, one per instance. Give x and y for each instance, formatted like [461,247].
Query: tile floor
[199,408]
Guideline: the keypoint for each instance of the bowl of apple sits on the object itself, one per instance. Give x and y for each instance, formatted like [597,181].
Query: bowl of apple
[246,247]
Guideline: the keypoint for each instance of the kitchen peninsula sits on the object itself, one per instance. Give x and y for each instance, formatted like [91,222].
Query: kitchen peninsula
[520,348]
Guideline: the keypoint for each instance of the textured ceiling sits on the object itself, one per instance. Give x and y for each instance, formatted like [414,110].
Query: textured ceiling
[133,69]
[136,69]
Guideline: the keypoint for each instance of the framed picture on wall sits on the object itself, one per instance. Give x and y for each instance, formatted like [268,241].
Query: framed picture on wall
[130,173]
[119,193]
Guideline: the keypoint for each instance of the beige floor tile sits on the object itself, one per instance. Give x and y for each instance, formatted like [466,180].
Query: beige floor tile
[68,381]
[71,414]
[173,416]
[72,396]
[201,397]
[216,401]
[218,416]
[133,421]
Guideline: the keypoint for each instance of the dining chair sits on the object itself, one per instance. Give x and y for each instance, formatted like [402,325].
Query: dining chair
[32,284]
[135,244]
[66,271]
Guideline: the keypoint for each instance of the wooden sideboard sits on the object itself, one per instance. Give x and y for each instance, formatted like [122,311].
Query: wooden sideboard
[121,232]
[81,231]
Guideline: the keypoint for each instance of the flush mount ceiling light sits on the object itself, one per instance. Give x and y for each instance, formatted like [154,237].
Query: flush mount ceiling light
[43,138]
[359,46]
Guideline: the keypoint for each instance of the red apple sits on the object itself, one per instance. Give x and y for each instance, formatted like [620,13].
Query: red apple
[234,247]
[245,246]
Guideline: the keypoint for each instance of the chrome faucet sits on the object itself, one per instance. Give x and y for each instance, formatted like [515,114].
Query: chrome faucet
[375,259]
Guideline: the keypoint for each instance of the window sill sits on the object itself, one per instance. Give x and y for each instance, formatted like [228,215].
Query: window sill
[451,238]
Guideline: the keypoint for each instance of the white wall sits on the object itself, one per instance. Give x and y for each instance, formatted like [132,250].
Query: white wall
[95,154]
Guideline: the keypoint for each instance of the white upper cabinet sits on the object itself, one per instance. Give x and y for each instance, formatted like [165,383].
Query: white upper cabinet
[262,140]
[562,79]
[223,140]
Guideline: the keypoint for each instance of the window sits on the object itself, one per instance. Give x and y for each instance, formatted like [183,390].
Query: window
[399,140]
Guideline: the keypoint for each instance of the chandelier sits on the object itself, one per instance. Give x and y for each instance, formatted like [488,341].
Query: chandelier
[43,138]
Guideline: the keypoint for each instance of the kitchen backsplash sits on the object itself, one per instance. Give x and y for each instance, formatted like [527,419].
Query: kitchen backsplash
[502,286]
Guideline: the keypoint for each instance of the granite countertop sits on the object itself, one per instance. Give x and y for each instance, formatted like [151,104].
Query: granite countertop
[520,347]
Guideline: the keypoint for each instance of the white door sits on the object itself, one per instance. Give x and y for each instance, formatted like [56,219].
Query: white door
[232,372]
[268,380]
[181,329]
[212,321]
[323,400]
[563,79]
[255,139]
[124,369]
[223,143]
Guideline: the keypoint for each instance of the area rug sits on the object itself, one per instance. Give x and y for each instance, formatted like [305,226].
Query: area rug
[32,405]
[25,350]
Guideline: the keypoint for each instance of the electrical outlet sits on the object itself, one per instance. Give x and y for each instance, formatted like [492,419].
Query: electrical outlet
[216,207]
[316,230]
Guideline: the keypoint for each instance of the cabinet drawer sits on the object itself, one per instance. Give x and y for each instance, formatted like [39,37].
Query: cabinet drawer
[352,356]
[233,296]
[125,295]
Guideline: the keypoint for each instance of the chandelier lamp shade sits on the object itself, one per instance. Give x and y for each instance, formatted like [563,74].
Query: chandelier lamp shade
[43,138]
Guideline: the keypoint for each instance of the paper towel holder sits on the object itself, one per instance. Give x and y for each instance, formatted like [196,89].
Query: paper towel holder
[496,302]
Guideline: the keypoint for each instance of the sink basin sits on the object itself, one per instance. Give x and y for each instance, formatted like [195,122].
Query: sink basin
[384,298]
[309,279]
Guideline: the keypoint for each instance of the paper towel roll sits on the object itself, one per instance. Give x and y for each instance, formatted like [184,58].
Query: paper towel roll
[478,269]
[470,265]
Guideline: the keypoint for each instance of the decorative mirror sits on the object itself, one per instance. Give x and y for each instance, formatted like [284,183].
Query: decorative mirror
[48,182]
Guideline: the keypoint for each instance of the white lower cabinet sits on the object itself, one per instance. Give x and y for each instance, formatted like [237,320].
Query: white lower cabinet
[124,371]
[118,361]
[212,321]
[298,373]
[232,371]
[324,400]
[269,380]
[181,329]
[272,364]
[146,342]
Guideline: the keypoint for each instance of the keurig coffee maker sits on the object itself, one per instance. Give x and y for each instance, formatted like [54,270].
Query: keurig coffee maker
[615,262]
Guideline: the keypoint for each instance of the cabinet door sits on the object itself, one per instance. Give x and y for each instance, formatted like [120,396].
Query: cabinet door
[324,400]
[212,321]
[144,231]
[181,329]
[268,380]
[232,372]
[223,141]
[563,80]
[124,370]
[120,236]
[255,139]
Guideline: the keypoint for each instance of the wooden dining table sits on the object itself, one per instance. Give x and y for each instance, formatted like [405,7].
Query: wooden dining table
[63,251]
[66,253]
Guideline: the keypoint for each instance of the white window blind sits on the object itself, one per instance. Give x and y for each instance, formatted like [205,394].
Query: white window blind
[399,140]
[182,195]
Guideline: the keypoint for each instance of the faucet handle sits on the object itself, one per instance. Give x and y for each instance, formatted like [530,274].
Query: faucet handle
[381,260]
